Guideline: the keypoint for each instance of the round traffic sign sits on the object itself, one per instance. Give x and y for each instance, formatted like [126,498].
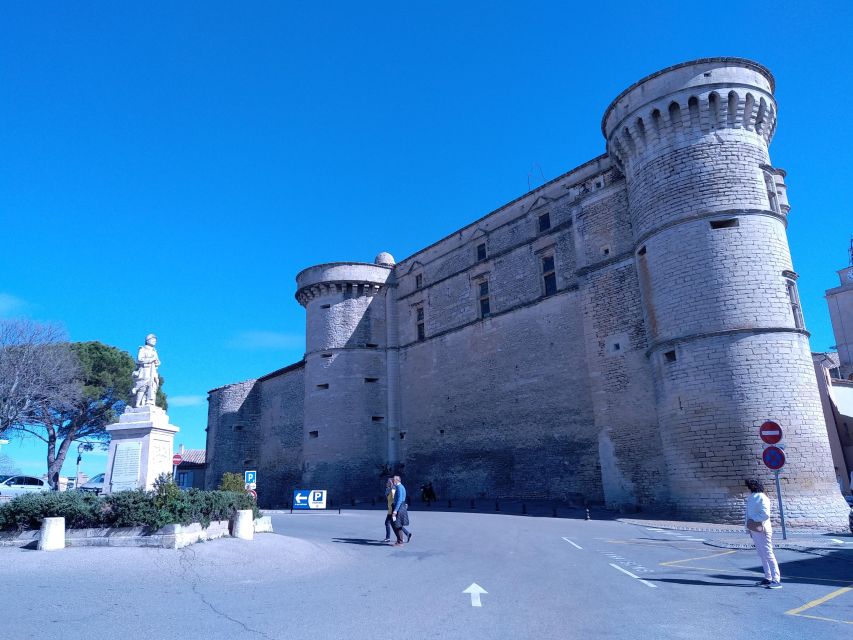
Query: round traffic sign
[253,493]
[774,458]
[770,432]
[177,459]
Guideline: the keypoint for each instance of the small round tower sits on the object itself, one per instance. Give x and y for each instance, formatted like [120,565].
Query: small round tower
[727,344]
[346,405]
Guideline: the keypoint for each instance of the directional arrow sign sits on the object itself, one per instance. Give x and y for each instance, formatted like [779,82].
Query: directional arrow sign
[475,590]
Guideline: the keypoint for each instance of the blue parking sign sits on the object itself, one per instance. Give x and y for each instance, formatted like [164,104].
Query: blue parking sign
[300,498]
[309,498]
[251,477]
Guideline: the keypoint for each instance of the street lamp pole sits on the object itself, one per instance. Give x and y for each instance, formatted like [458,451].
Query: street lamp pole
[79,458]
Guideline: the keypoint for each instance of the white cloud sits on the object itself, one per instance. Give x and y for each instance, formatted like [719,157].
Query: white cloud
[266,340]
[185,401]
[10,304]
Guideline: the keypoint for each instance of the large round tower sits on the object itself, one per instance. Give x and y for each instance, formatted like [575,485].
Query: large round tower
[727,343]
[346,417]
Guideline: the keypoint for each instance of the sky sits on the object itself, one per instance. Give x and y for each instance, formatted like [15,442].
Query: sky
[170,167]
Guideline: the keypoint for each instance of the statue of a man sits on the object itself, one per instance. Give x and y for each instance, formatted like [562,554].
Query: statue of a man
[145,378]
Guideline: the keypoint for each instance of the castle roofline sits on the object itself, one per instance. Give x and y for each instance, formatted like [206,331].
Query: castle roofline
[742,62]
[597,160]
[343,264]
[272,374]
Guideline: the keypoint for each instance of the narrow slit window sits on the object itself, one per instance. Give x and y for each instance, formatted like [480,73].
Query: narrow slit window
[549,276]
[313,434]
[796,309]
[324,385]
[372,345]
[419,281]
[481,252]
[378,418]
[485,306]
[325,306]
[544,222]
[728,223]
[325,355]
[367,380]
[421,327]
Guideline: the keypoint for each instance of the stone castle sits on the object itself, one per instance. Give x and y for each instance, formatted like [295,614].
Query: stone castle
[615,336]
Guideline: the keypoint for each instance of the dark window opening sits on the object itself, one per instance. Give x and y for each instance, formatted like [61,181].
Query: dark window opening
[402,435]
[238,427]
[481,252]
[796,309]
[371,379]
[670,356]
[348,291]
[325,355]
[605,251]
[485,307]
[420,323]
[419,281]
[249,462]
[372,345]
[725,224]
[441,431]
[313,434]
[544,222]
[642,251]
[549,276]
[325,306]
[616,346]
[378,418]
[325,385]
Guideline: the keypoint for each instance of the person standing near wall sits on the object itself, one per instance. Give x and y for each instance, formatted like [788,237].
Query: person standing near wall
[400,513]
[758,525]
[389,496]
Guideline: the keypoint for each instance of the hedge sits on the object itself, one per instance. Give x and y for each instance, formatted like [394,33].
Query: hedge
[154,509]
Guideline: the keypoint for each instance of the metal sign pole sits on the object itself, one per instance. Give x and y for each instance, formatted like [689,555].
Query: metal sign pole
[781,510]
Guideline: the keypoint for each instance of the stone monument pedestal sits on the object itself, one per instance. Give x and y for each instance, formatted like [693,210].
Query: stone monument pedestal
[140,450]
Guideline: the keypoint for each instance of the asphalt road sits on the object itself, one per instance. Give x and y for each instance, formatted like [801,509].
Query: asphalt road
[324,575]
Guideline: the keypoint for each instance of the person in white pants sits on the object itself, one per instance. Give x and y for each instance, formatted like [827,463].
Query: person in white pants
[758,524]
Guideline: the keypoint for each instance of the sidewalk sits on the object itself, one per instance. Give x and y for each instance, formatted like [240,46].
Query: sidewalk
[731,536]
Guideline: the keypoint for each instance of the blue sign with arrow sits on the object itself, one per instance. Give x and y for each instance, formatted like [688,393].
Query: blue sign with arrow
[309,498]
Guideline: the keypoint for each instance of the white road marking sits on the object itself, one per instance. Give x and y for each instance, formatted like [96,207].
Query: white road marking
[475,590]
[695,539]
[837,541]
[645,582]
[577,546]
[650,529]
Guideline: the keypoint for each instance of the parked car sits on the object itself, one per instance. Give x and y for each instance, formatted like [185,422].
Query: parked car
[95,484]
[18,485]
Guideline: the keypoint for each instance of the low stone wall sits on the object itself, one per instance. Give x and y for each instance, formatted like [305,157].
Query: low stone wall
[172,536]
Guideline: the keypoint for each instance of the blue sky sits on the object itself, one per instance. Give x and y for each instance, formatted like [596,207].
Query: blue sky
[170,167]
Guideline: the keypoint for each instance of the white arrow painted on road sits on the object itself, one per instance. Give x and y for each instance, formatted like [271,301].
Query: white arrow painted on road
[475,590]
[300,498]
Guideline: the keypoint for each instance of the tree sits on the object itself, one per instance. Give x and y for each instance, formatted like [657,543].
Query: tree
[36,367]
[8,466]
[105,382]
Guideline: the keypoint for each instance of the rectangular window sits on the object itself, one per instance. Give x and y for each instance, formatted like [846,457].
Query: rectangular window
[420,323]
[371,379]
[485,307]
[419,281]
[325,385]
[544,222]
[724,224]
[313,434]
[481,252]
[549,276]
[796,309]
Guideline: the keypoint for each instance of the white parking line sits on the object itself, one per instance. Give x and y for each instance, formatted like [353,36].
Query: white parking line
[645,582]
[577,546]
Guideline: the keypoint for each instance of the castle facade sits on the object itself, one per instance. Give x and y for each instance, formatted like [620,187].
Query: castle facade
[615,336]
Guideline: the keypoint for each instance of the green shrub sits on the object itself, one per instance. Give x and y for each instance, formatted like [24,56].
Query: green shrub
[232,482]
[165,505]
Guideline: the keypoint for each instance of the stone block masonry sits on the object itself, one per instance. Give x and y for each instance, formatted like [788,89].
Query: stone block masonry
[615,335]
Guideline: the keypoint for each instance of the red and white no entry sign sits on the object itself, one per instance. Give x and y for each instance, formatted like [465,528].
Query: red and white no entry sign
[770,432]
[177,459]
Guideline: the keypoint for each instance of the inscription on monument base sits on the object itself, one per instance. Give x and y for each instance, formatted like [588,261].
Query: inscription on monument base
[125,475]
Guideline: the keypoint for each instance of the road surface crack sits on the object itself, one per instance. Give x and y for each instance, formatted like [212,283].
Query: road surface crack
[191,577]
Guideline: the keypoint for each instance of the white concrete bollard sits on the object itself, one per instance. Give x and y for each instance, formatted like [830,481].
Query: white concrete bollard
[52,534]
[244,525]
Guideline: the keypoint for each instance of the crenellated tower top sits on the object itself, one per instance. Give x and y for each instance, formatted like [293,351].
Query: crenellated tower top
[680,103]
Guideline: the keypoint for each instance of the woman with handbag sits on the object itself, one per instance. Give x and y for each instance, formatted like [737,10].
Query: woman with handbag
[758,525]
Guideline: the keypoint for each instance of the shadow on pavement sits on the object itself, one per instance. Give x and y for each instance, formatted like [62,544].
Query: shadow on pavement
[362,541]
